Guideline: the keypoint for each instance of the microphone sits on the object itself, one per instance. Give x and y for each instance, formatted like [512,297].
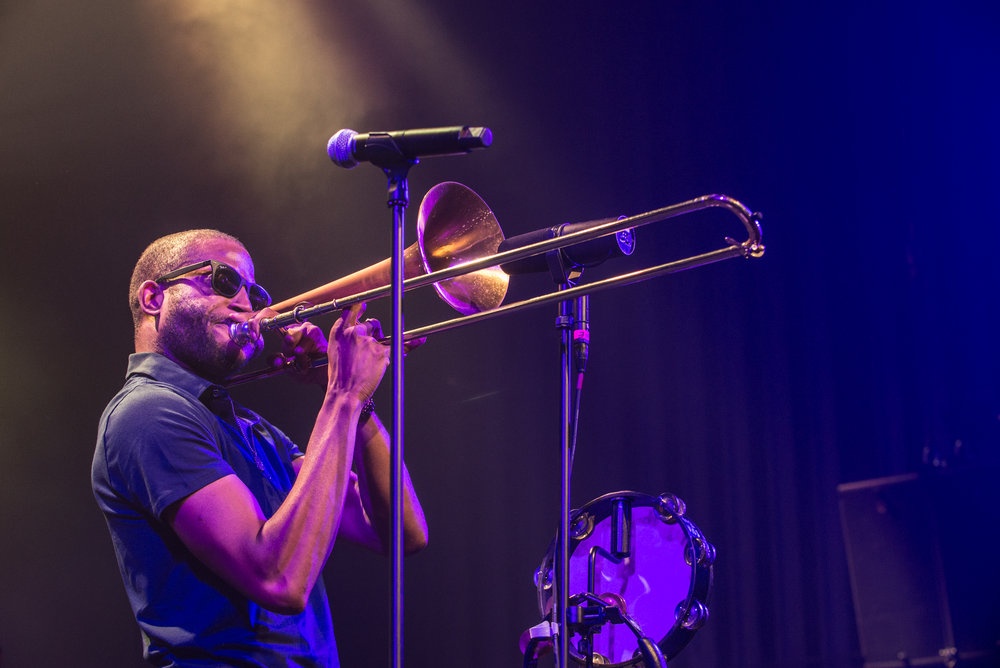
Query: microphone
[347,148]
[584,254]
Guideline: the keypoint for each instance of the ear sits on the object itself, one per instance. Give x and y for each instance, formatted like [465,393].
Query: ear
[150,297]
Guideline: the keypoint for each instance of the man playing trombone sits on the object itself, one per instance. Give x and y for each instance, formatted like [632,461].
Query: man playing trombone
[220,524]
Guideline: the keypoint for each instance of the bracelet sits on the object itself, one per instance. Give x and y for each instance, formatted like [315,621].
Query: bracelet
[367,410]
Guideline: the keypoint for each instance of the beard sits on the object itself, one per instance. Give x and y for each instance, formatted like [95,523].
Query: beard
[187,336]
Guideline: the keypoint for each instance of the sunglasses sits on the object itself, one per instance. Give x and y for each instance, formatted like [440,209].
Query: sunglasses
[226,282]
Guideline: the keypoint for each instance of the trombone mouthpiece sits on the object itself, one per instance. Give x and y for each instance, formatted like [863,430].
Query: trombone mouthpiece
[242,334]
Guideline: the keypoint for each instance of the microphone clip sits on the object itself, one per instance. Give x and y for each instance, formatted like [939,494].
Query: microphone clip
[566,264]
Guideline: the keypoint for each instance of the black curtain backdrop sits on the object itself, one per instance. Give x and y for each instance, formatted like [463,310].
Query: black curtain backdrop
[862,345]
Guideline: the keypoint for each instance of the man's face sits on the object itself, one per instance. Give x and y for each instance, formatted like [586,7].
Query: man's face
[193,328]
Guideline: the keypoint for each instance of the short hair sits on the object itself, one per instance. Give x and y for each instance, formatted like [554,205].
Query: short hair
[164,255]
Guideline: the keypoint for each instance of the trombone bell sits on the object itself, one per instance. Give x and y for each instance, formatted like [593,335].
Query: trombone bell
[454,225]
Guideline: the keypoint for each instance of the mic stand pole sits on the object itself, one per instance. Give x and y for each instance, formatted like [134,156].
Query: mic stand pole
[396,166]
[392,160]
[566,321]
[398,201]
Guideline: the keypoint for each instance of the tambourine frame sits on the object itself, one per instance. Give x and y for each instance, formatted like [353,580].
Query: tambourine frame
[665,581]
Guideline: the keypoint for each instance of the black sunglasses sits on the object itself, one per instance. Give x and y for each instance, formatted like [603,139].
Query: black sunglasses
[226,281]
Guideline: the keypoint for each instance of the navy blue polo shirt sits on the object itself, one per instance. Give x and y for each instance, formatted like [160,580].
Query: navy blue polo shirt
[158,442]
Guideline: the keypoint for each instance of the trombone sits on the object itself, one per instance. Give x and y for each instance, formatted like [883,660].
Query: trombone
[456,252]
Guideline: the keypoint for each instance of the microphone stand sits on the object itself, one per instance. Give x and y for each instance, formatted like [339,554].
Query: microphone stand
[573,321]
[564,322]
[389,152]
[391,158]
[396,170]
[567,321]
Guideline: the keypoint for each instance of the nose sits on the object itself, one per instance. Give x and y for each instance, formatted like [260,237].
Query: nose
[241,300]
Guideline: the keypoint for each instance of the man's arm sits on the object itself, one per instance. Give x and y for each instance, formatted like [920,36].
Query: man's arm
[276,561]
[374,464]
[367,517]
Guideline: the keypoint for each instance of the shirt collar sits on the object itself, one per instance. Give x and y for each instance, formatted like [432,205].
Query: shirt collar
[162,368]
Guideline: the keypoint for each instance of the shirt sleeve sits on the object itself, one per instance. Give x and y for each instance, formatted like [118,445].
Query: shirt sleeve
[161,446]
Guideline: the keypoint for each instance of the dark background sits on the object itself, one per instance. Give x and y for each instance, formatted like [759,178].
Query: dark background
[863,345]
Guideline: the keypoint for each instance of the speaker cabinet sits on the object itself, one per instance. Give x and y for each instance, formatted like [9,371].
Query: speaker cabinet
[922,550]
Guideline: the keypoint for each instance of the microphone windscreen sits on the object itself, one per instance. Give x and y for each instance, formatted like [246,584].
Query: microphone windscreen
[340,148]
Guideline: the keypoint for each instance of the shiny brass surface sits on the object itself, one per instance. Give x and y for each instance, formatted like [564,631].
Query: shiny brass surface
[457,251]
[454,225]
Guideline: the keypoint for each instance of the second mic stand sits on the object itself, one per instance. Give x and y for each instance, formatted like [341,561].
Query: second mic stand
[566,322]
[574,322]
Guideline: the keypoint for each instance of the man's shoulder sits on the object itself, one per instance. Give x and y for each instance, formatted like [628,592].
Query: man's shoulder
[145,406]
[148,395]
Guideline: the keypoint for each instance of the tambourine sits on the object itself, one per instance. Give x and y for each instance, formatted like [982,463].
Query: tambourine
[641,555]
